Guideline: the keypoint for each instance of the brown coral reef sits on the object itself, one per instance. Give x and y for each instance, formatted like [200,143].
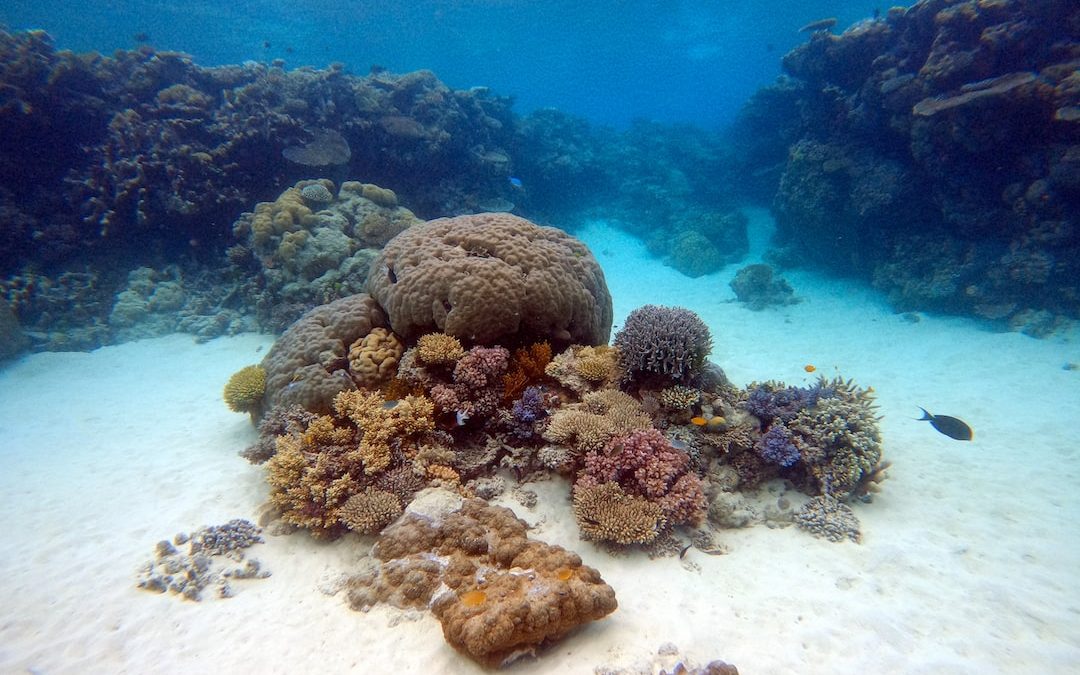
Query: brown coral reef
[498,594]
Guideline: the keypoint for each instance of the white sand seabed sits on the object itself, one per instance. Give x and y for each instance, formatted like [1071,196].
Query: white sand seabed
[970,560]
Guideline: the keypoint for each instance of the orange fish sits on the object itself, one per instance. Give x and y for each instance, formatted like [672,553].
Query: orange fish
[809,367]
[698,421]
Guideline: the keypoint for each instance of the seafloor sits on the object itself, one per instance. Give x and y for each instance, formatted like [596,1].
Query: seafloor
[968,561]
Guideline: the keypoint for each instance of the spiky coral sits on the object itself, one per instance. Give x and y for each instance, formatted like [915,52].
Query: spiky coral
[590,424]
[663,343]
[245,389]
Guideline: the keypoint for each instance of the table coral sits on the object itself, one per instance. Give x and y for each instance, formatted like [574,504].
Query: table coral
[490,278]
[589,425]
[498,595]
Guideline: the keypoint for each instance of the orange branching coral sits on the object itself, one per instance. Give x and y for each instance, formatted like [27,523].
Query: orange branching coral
[373,359]
[382,421]
[438,349]
[526,367]
[323,431]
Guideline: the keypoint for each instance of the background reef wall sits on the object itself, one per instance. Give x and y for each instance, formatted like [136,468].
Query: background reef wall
[935,151]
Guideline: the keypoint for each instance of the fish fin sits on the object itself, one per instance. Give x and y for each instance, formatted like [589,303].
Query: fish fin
[926,415]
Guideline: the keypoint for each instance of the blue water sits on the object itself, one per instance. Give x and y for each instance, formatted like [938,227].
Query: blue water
[667,60]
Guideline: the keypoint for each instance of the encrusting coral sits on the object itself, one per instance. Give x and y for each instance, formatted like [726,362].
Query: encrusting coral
[245,389]
[492,277]
[498,595]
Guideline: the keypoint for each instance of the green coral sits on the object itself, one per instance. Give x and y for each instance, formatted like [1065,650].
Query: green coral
[245,389]
[839,441]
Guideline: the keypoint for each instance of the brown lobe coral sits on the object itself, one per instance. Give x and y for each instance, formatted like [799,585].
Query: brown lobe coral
[492,277]
[373,358]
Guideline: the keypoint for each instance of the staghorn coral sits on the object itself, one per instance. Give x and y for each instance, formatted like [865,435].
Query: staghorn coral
[401,423]
[245,389]
[438,349]
[498,595]
[662,344]
[826,517]
[309,484]
[280,420]
[373,358]
[604,512]
[679,397]
[369,511]
[775,446]
[490,278]
[308,365]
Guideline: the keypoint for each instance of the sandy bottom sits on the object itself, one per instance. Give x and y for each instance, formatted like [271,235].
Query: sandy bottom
[970,560]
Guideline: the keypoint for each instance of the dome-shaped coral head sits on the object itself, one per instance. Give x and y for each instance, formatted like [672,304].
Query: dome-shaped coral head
[492,278]
[245,389]
[658,345]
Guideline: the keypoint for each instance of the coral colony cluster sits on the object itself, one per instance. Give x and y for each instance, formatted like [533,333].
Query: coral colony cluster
[480,348]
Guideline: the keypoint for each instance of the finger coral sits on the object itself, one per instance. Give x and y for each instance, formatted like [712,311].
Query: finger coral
[498,595]
[492,277]
[438,349]
[663,344]
[383,423]
[244,390]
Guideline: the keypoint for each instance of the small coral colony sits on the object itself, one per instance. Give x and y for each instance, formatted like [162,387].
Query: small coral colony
[481,351]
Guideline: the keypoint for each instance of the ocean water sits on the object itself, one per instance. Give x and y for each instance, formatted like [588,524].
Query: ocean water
[140,296]
[668,60]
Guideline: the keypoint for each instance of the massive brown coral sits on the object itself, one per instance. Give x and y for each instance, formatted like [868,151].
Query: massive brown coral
[492,277]
[309,365]
[498,595]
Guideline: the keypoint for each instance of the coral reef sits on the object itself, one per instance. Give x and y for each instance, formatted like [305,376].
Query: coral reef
[662,344]
[370,511]
[601,415]
[12,339]
[826,517]
[604,512]
[188,574]
[309,364]
[882,136]
[758,288]
[498,595]
[491,278]
[245,389]
[583,369]
[373,359]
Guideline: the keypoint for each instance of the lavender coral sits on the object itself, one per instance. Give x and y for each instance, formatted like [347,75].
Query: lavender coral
[775,446]
[665,343]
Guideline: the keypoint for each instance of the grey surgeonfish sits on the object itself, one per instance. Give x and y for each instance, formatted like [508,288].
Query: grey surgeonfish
[950,426]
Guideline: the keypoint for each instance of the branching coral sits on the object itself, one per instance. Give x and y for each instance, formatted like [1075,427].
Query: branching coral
[369,511]
[591,424]
[839,441]
[245,389]
[526,367]
[663,343]
[584,369]
[438,349]
[385,423]
[826,517]
[604,512]
[477,387]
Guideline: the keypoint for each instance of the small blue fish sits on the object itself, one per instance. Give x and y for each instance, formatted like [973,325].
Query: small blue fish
[516,182]
[461,418]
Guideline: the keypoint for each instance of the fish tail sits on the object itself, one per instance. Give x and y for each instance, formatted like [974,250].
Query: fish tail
[925,415]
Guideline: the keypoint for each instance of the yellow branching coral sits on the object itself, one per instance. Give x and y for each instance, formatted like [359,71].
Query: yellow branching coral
[605,513]
[323,431]
[679,397]
[244,390]
[373,359]
[438,349]
[369,511]
[383,421]
[308,487]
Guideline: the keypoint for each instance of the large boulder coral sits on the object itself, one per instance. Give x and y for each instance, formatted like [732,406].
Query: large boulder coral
[309,364]
[498,595]
[492,277]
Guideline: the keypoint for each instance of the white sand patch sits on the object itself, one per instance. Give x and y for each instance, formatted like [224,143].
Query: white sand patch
[970,559]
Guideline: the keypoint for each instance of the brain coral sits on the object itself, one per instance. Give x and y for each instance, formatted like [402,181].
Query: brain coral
[308,365]
[492,277]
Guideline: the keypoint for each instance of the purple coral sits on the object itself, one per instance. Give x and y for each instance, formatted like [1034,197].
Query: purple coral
[645,464]
[775,446]
[670,342]
[769,402]
[527,410]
